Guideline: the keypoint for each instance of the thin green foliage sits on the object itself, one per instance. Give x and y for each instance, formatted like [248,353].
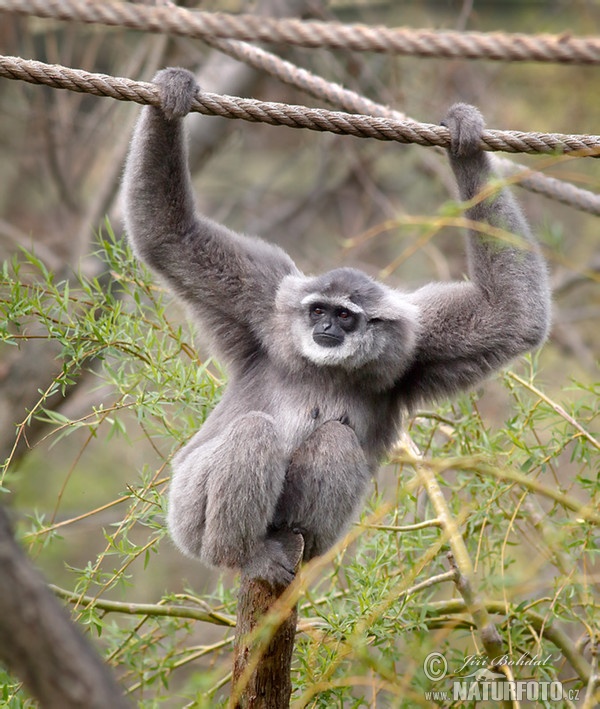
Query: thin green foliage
[524,497]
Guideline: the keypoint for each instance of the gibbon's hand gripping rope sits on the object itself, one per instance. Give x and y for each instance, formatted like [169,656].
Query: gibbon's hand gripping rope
[294,116]
[176,20]
[350,101]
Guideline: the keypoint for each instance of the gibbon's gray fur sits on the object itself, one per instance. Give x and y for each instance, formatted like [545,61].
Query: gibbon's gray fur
[321,368]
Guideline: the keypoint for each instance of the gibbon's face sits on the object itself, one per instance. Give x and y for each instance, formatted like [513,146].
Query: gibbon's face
[332,330]
[343,319]
[331,324]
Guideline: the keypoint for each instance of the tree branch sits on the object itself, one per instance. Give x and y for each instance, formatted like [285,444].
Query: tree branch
[40,644]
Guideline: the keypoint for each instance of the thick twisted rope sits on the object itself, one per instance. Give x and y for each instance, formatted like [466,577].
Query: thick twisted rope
[294,116]
[424,43]
[348,100]
[303,79]
[334,94]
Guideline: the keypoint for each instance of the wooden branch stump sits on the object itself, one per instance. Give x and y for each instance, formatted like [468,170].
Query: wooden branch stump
[268,685]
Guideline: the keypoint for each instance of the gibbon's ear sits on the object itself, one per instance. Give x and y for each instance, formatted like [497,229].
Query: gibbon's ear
[395,305]
[292,289]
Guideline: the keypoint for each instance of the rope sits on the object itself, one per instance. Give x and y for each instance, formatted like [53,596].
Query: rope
[351,101]
[291,115]
[334,94]
[300,78]
[551,187]
[425,43]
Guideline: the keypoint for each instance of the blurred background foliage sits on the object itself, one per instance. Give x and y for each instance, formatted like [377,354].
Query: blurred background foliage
[102,378]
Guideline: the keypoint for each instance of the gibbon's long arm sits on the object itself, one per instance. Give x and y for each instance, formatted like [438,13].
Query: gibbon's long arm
[229,279]
[469,329]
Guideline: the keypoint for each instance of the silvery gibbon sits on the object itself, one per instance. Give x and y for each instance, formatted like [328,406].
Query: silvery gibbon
[321,368]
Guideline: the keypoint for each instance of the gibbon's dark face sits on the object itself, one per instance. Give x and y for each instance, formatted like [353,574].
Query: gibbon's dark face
[331,323]
[343,319]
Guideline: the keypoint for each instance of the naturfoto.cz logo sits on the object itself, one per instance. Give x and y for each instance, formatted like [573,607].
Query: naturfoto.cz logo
[484,683]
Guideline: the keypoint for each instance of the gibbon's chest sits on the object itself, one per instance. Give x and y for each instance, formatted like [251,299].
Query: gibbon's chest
[300,407]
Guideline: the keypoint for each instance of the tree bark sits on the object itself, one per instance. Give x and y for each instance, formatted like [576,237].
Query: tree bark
[40,644]
[269,685]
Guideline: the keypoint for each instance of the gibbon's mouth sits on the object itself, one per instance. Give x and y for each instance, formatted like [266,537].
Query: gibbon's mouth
[326,340]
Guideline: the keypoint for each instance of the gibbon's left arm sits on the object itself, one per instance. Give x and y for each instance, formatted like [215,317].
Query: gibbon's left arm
[228,279]
[469,329]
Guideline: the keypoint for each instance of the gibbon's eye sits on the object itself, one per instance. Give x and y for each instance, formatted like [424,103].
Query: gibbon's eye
[316,311]
[346,316]
[348,320]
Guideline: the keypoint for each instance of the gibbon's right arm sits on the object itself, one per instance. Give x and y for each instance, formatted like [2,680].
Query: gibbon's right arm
[229,279]
[472,328]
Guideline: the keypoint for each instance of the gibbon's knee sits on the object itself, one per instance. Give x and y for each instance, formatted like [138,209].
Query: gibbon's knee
[324,485]
[221,488]
[331,447]
[186,509]
[242,494]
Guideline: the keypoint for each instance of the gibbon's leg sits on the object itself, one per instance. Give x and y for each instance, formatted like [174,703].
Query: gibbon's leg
[324,487]
[223,495]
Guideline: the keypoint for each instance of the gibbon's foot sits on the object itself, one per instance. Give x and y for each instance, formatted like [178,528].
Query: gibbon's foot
[466,125]
[178,88]
[272,564]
